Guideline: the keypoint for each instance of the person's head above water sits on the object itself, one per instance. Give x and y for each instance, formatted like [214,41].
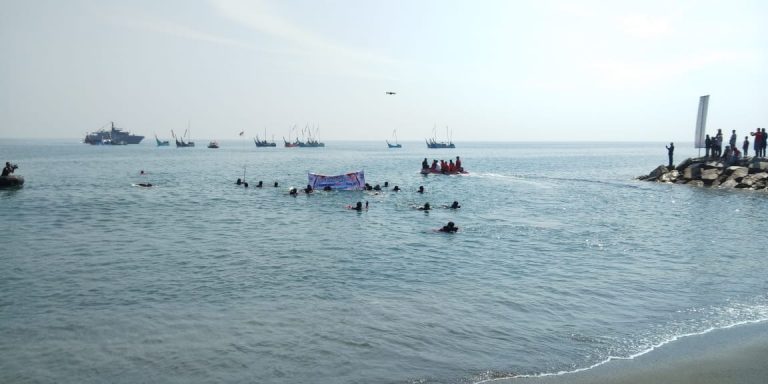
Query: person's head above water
[450,227]
[455,205]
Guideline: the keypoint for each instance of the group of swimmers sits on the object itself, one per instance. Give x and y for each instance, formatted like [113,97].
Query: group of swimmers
[359,206]
[442,166]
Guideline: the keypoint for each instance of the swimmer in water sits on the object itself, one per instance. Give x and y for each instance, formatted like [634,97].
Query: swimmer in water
[450,228]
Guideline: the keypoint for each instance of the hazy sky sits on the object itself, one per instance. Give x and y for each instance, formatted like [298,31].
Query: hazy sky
[489,70]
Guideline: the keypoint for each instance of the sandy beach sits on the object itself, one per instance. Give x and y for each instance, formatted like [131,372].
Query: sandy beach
[733,355]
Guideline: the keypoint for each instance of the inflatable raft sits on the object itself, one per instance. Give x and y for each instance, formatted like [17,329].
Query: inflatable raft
[11,181]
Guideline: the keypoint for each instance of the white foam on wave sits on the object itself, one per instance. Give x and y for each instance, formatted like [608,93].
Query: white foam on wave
[760,310]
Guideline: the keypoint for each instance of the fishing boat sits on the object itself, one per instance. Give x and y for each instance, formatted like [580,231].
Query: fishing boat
[396,144]
[312,141]
[264,143]
[180,143]
[162,143]
[433,143]
[213,144]
[288,143]
[114,136]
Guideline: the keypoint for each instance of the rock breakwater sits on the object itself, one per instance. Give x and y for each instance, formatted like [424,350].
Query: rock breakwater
[749,173]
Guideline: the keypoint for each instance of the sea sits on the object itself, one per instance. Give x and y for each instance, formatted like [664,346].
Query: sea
[563,261]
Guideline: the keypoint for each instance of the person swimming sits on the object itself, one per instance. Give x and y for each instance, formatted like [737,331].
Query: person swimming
[275,184]
[145,185]
[377,188]
[308,189]
[396,188]
[327,188]
[426,207]
[455,205]
[293,192]
[260,184]
[358,206]
[239,181]
[421,189]
[450,227]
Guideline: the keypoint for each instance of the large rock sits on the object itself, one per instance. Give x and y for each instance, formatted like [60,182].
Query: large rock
[710,174]
[693,172]
[685,164]
[757,166]
[696,183]
[656,173]
[730,183]
[736,172]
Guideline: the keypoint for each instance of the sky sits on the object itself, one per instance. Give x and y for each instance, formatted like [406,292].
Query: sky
[481,70]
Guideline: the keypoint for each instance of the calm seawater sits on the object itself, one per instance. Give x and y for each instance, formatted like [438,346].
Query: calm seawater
[562,260]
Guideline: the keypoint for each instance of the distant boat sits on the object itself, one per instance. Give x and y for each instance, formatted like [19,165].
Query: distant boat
[115,136]
[264,143]
[433,143]
[312,141]
[213,144]
[288,143]
[162,143]
[180,143]
[396,144]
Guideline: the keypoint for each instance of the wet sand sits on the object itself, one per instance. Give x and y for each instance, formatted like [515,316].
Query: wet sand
[734,355]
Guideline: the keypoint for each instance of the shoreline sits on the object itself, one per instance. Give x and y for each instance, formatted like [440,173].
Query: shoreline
[735,354]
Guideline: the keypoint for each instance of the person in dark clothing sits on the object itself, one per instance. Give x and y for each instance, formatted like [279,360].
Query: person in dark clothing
[239,181]
[758,141]
[745,146]
[424,164]
[450,227]
[707,146]
[455,205]
[765,141]
[421,189]
[8,169]
[733,139]
[670,152]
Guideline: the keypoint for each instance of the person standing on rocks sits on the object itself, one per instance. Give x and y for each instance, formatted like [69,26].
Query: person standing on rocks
[745,146]
[758,141]
[718,143]
[670,152]
[707,146]
[733,139]
[765,141]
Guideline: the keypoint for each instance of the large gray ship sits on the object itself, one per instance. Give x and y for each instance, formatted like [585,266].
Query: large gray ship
[114,136]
